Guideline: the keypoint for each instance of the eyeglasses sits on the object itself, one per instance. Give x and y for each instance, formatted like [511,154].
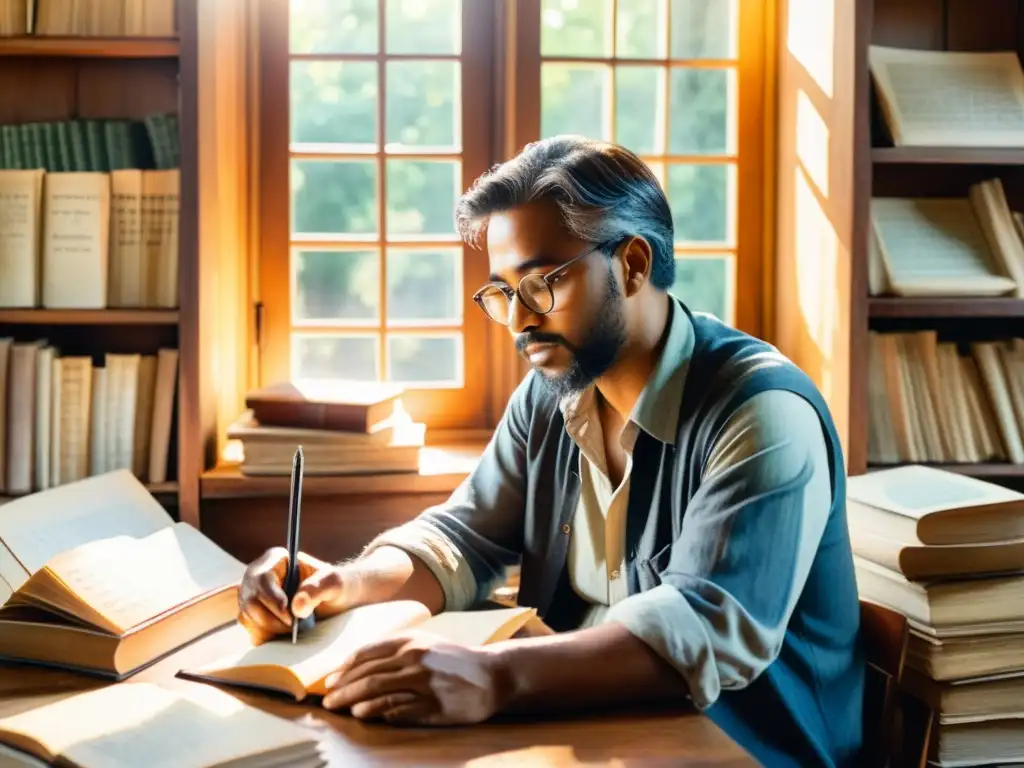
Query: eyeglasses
[535,291]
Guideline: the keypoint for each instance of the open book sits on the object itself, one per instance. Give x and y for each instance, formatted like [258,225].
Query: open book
[97,577]
[300,670]
[950,98]
[146,724]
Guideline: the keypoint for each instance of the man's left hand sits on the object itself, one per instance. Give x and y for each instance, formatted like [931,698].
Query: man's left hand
[417,680]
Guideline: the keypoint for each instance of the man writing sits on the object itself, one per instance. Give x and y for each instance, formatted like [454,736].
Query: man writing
[672,488]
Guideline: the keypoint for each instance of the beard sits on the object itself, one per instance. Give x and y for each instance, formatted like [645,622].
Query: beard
[595,354]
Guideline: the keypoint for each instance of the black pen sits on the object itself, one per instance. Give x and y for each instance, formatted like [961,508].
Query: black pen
[291,583]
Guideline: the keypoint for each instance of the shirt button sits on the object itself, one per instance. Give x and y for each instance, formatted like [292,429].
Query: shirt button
[615,574]
[565,528]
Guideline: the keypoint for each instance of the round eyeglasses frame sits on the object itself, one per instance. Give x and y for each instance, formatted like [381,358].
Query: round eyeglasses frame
[542,283]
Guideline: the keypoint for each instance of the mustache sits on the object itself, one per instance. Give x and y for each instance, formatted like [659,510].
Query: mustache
[523,340]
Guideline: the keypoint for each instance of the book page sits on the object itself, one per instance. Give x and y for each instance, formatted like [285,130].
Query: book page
[478,627]
[916,491]
[318,653]
[935,247]
[115,725]
[38,527]
[945,98]
[128,581]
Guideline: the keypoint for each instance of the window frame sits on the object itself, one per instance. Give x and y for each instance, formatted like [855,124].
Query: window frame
[453,408]
[753,132]
[501,76]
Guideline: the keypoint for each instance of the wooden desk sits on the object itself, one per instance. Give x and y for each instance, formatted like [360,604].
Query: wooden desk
[636,740]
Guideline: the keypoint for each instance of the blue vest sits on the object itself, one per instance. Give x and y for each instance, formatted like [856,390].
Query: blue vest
[805,709]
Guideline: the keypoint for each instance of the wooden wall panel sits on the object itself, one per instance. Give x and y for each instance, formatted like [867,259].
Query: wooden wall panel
[43,90]
[819,221]
[333,528]
[109,88]
[215,244]
[988,26]
[909,24]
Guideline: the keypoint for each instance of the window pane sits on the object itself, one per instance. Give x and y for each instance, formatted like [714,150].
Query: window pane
[574,99]
[701,197]
[575,28]
[353,358]
[423,100]
[703,29]
[334,197]
[639,111]
[704,284]
[333,26]
[640,29]
[421,197]
[336,285]
[334,102]
[699,112]
[659,172]
[424,26]
[424,360]
[425,286]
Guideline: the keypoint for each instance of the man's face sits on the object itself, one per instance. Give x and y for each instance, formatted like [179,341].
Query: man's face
[580,338]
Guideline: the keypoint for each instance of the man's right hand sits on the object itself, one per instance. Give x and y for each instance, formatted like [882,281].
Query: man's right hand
[263,607]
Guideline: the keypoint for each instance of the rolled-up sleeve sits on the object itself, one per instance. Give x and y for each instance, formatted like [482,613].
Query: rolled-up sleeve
[747,543]
[470,540]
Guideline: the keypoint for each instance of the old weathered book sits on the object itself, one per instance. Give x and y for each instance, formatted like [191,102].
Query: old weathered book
[950,98]
[95,576]
[940,604]
[137,723]
[917,505]
[300,670]
[349,407]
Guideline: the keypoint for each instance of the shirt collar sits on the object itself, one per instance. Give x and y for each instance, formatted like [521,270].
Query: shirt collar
[657,409]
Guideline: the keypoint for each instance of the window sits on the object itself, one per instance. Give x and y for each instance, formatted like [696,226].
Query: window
[662,77]
[375,115]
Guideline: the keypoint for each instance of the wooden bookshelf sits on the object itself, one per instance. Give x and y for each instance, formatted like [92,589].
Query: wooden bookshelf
[91,47]
[947,155]
[823,311]
[89,316]
[945,308]
[52,79]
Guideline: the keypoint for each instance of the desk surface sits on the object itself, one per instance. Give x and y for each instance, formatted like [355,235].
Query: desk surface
[637,739]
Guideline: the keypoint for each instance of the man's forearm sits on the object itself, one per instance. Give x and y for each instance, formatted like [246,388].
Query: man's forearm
[390,573]
[594,667]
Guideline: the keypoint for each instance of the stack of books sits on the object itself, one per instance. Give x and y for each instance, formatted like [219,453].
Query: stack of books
[343,428]
[947,551]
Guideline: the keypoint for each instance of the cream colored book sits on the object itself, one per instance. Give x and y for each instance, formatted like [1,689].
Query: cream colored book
[919,505]
[300,670]
[76,230]
[159,727]
[939,604]
[21,195]
[104,581]
[950,98]
[126,248]
[933,247]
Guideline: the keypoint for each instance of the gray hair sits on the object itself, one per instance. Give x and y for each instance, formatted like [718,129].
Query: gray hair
[604,192]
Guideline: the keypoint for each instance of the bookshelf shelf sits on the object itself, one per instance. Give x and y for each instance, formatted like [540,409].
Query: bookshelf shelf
[945,307]
[948,155]
[91,47]
[163,489]
[993,469]
[88,317]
